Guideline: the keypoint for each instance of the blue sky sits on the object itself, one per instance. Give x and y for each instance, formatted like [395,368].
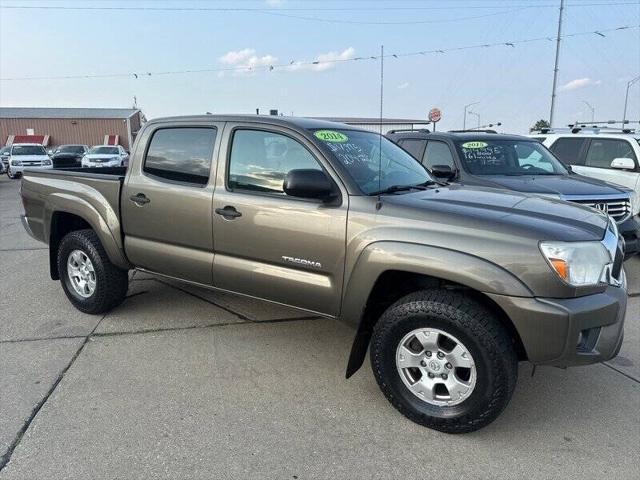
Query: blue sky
[512,84]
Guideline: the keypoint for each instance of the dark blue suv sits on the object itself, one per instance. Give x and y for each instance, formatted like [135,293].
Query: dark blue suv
[517,163]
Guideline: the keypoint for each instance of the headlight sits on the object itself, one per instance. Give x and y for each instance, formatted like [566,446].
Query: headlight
[46,162]
[16,163]
[577,263]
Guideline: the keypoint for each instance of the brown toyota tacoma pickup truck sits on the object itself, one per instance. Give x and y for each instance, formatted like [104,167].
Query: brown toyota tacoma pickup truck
[448,286]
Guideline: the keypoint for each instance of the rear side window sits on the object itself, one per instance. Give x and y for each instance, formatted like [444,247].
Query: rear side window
[414,146]
[603,151]
[568,150]
[438,153]
[181,154]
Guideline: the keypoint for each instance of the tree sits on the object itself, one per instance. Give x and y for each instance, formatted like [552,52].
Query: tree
[539,125]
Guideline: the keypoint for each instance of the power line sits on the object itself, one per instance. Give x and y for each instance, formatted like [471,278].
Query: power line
[281,12]
[294,65]
[302,9]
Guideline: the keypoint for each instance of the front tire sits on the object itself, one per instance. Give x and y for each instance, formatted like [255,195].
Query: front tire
[13,176]
[91,282]
[444,361]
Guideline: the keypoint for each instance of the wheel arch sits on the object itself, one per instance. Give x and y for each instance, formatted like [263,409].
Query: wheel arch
[79,216]
[387,271]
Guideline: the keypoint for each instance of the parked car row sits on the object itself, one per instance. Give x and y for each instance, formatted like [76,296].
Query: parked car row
[447,281]
[33,155]
[524,164]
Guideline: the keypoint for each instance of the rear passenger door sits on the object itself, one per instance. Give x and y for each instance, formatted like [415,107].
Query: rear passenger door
[166,202]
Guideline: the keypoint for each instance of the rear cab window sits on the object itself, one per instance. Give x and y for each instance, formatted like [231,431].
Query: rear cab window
[181,154]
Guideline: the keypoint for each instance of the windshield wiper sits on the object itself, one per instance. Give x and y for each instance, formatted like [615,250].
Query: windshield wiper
[401,188]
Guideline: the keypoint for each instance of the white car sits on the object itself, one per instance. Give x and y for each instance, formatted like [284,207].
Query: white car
[106,156]
[27,155]
[608,154]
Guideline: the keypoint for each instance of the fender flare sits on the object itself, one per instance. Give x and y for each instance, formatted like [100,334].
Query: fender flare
[438,262]
[64,203]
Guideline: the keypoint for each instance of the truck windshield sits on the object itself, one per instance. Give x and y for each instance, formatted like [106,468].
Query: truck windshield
[28,150]
[508,157]
[374,162]
[103,150]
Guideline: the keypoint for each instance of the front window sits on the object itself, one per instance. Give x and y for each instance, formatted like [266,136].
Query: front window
[71,149]
[28,150]
[602,151]
[260,160]
[508,157]
[104,151]
[374,162]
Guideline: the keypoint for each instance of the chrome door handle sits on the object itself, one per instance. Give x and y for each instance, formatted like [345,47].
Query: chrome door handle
[228,212]
[139,199]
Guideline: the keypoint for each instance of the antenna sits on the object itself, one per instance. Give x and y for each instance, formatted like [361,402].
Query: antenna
[379,202]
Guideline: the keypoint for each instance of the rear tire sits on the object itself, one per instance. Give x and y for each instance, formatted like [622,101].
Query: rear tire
[475,370]
[91,282]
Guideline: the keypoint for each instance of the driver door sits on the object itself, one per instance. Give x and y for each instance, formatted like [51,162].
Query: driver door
[267,244]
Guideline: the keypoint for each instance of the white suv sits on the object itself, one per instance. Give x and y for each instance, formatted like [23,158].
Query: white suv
[26,155]
[608,154]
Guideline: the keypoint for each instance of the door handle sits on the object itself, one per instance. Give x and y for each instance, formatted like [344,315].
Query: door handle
[228,212]
[139,199]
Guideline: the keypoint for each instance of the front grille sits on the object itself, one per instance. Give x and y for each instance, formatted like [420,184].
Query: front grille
[619,209]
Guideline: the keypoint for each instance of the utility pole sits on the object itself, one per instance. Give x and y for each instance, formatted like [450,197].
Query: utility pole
[593,110]
[477,115]
[555,68]
[464,121]
[626,98]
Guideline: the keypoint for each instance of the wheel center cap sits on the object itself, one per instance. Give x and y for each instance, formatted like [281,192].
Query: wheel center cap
[434,366]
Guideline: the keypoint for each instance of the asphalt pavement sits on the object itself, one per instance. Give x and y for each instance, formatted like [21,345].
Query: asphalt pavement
[180,382]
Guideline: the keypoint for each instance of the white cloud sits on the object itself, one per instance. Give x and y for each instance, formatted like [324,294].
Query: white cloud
[246,59]
[323,61]
[274,3]
[403,85]
[579,83]
[331,58]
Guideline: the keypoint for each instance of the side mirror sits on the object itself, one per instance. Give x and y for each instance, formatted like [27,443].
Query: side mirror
[443,171]
[308,183]
[623,164]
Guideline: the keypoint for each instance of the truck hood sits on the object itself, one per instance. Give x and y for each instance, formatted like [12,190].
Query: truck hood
[518,214]
[553,184]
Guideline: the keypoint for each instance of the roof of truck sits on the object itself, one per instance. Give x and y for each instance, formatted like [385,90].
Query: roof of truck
[300,122]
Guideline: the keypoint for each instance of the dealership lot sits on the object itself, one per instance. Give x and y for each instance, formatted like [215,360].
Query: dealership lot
[186,383]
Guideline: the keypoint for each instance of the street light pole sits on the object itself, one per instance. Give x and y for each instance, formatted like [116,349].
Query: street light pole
[555,68]
[593,110]
[464,119]
[626,98]
[477,115]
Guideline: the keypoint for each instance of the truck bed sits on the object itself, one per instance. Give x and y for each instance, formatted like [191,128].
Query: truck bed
[92,194]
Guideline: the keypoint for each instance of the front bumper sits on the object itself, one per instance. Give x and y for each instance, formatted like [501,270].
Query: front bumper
[569,331]
[19,169]
[630,231]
